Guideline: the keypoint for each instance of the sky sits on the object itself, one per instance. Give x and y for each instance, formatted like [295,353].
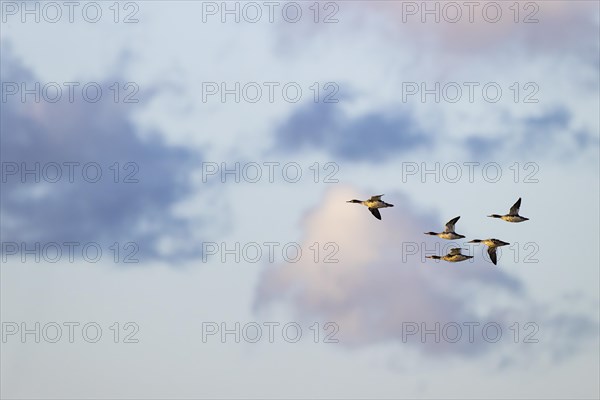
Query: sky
[174,179]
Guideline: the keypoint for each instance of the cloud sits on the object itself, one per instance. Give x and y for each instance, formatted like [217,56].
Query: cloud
[370,293]
[539,29]
[482,147]
[77,208]
[552,128]
[378,288]
[372,137]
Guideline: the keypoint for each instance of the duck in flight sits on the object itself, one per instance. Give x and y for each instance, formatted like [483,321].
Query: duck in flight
[492,245]
[448,233]
[455,255]
[513,214]
[374,203]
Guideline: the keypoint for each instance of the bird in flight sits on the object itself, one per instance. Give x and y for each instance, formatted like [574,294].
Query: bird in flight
[373,204]
[455,255]
[448,233]
[513,214]
[492,245]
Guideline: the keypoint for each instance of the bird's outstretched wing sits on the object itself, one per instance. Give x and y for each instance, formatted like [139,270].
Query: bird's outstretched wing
[492,253]
[451,223]
[375,198]
[455,252]
[514,210]
[375,212]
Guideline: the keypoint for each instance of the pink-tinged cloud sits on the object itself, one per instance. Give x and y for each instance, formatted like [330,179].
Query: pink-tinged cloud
[371,292]
[474,27]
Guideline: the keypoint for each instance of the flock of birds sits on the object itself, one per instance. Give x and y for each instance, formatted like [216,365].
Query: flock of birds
[455,255]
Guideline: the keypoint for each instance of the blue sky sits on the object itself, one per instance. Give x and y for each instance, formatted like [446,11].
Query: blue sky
[543,135]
